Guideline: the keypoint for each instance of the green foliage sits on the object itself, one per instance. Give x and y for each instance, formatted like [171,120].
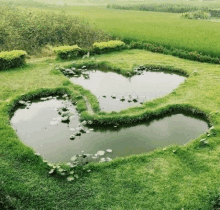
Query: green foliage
[196,15]
[173,51]
[215,12]
[161,29]
[11,59]
[161,7]
[65,52]
[33,29]
[103,47]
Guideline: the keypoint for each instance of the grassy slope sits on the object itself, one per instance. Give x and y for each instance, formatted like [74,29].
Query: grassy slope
[160,28]
[161,179]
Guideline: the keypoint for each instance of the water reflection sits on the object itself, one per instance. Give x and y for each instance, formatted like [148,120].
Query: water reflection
[52,140]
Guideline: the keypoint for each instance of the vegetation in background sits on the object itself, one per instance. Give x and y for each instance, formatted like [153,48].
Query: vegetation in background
[11,59]
[172,51]
[31,30]
[199,14]
[215,12]
[161,7]
[160,29]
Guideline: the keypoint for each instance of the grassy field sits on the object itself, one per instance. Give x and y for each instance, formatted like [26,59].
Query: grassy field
[188,178]
[175,177]
[164,29]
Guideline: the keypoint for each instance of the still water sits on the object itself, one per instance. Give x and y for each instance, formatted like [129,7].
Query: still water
[39,126]
[110,87]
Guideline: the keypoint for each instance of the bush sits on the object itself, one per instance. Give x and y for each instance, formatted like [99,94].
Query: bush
[215,12]
[11,59]
[161,7]
[196,15]
[175,52]
[103,47]
[65,52]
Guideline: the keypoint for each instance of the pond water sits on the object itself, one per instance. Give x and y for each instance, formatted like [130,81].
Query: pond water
[39,126]
[116,92]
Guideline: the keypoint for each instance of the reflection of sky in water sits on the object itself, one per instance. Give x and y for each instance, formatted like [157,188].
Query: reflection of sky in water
[147,86]
[53,141]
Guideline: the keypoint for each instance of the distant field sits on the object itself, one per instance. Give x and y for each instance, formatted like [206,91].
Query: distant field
[166,29]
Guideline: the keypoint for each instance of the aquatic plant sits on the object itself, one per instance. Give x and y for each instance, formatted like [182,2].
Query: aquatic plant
[75,169]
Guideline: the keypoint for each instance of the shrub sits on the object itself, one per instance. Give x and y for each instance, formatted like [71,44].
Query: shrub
[161,7]
[65,52]
[196,56]
[11,59]
[196,15]
[103,47]
[215,12]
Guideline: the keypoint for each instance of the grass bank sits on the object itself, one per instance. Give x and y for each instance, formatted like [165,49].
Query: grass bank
[175,177]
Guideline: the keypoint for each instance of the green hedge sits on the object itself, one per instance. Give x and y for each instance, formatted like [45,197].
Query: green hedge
[11,59]
[196,15]
[196,56]
[215,12]
[103,47]
[65,52]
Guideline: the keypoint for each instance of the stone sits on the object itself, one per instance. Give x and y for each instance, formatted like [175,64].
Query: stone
[65,119]
[100,153]
[72,137]
[78,134]
[82,130]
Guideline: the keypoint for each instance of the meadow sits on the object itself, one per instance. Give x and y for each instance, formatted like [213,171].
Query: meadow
[174,177]
[163,29]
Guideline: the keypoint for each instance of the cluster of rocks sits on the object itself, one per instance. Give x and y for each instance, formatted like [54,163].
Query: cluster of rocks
[28,103]
[75,72]
[123,98]
[80,129]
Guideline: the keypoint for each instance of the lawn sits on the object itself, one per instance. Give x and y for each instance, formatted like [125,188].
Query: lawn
[175,177]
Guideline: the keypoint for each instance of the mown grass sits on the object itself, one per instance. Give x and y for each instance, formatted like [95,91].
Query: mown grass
[173,178]
[165,29]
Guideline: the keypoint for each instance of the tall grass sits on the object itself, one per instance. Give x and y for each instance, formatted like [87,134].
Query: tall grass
[31,30]
[161,29]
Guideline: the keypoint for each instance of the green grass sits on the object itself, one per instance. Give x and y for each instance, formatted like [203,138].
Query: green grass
[164,29]
[162,179]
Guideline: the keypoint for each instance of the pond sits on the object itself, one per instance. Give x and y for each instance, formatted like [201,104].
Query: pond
[39,125]
[116,92]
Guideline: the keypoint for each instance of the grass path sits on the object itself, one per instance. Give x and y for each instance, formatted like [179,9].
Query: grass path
[185,179]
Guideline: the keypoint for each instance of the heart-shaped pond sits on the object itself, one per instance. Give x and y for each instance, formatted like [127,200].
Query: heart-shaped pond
[40,126]
[116,92]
